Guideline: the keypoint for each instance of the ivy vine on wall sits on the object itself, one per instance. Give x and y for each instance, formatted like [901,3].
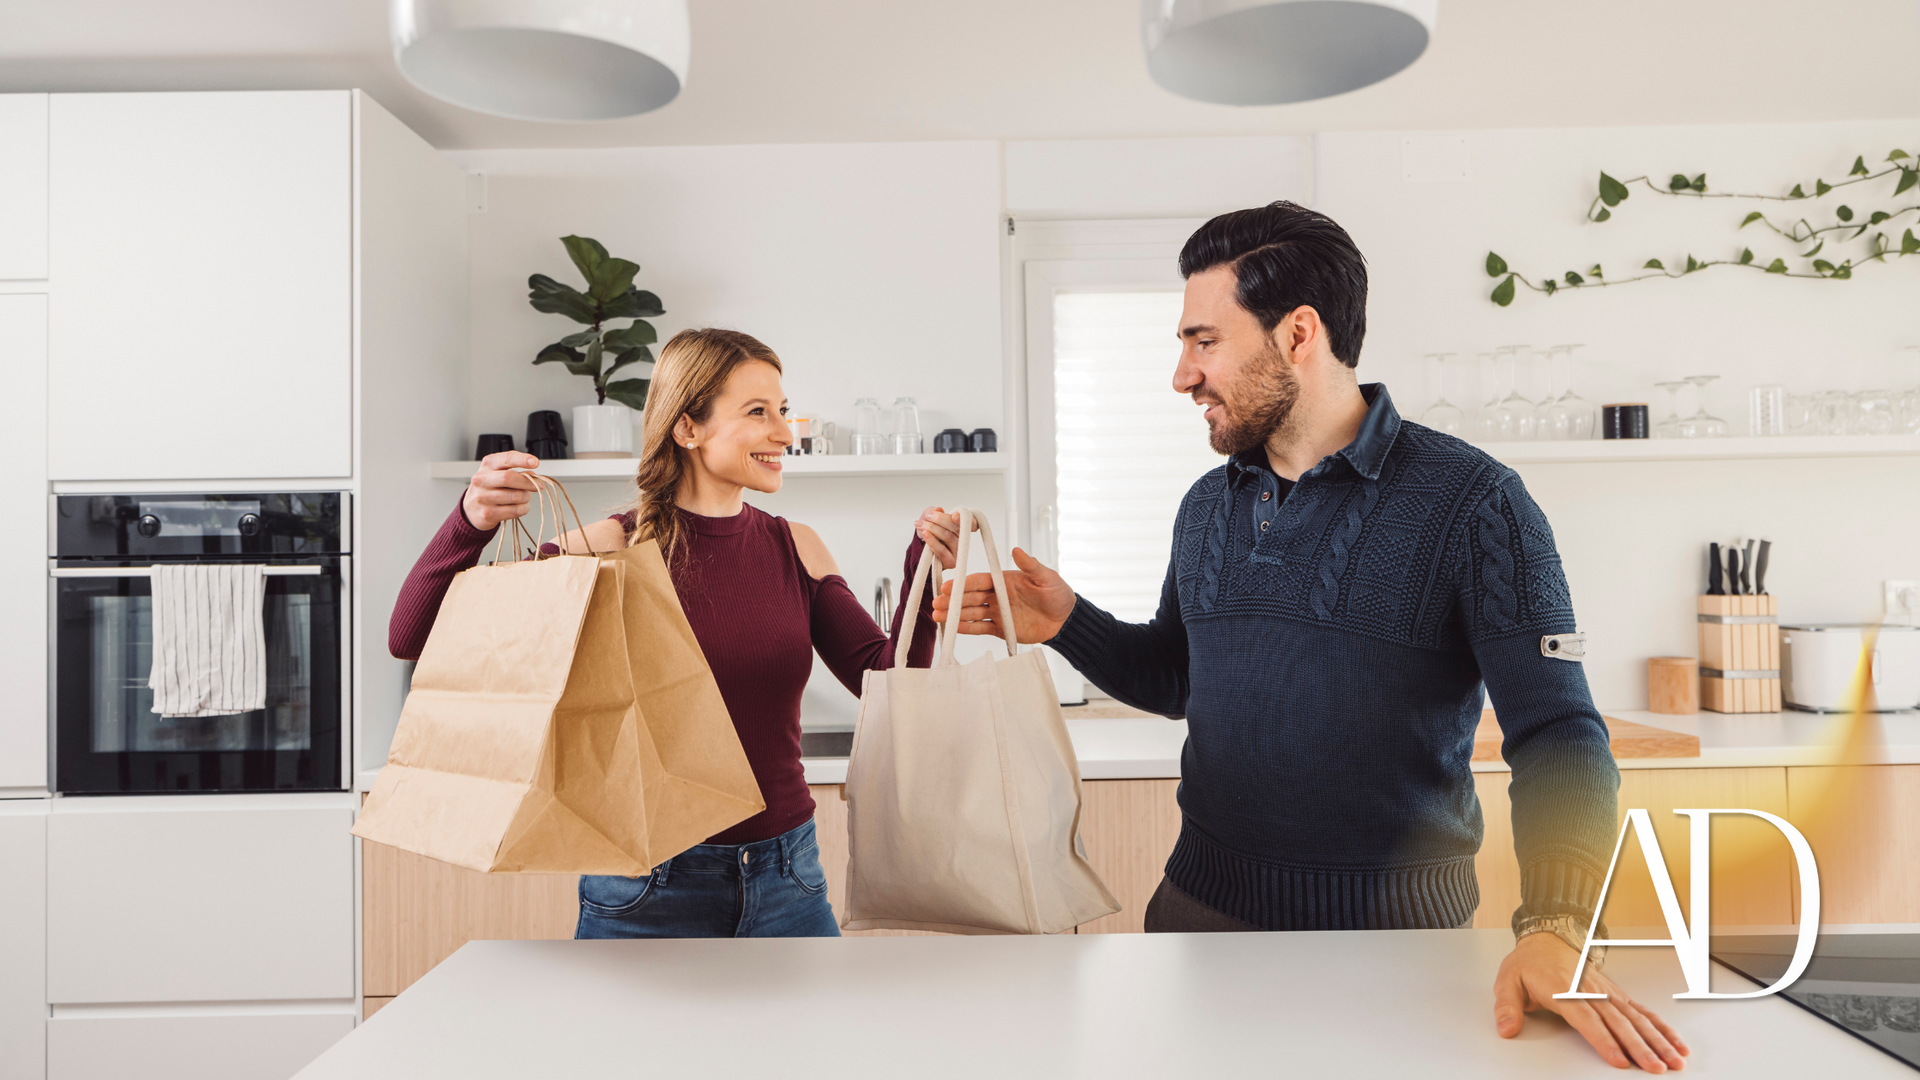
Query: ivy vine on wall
[1798,229]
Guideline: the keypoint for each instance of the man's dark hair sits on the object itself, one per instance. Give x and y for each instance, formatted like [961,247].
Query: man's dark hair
[1284,256]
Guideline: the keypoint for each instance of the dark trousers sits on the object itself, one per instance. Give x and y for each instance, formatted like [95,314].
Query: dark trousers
[1174,912]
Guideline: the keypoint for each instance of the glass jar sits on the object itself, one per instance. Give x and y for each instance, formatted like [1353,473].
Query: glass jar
[906,427]
[867,437]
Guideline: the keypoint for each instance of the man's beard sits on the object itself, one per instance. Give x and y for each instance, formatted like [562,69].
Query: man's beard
[1261,400]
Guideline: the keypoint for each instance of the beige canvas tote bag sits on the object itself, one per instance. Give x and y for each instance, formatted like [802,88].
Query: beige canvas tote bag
[562,720]
[963,791]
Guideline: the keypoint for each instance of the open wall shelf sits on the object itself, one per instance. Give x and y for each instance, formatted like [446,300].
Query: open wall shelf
[792,466]
[1733,449]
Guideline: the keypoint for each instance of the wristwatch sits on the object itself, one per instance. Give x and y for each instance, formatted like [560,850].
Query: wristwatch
[1567,928]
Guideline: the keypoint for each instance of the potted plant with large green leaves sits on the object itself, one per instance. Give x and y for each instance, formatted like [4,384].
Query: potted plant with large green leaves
[600,430]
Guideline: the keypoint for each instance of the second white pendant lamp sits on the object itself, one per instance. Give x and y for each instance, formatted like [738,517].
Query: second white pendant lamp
[1271,52]
[566,60]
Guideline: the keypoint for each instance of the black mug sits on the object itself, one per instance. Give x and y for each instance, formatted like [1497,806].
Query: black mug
[492,444]
[951,441]
[1626,421]
[546,435]
[983,441]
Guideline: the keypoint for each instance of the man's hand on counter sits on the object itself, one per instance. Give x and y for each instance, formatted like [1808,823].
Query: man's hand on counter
[1625,1033]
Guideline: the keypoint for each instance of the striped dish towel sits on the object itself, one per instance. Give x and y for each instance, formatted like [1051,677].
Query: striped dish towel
[209,643]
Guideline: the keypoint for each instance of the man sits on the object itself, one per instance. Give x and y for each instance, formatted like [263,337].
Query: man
[1339,592]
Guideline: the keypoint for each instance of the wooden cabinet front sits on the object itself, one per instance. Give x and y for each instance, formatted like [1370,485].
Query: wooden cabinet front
[1862,825]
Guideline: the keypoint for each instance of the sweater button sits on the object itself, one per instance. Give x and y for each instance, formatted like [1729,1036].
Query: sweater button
[1265,495]
[1263,526]
[745,858]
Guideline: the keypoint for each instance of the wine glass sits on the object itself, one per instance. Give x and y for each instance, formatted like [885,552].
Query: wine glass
[1442,415]
[1486,420]
[1581,413]
[1669,425]
[1702,425]
[1515,415]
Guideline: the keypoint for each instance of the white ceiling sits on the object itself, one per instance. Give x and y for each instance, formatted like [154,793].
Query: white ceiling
[887,70]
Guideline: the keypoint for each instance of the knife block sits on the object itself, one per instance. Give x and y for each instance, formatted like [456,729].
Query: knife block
[1739,653]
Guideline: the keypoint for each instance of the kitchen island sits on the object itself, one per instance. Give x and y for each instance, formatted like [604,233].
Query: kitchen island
[417,912]
[1385,1003]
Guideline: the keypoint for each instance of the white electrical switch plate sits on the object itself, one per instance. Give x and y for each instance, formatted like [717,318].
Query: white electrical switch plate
[1901,600]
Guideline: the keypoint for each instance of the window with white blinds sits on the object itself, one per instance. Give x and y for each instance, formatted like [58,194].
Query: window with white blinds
[1127,447]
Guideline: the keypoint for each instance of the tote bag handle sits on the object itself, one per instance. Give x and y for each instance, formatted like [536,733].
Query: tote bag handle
[924,572]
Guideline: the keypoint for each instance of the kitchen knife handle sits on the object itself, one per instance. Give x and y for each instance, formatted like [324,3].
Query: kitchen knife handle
[1760,568]
[1713,571]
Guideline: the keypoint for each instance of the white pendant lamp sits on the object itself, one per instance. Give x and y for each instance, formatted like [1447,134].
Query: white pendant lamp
[1270,52]
[544,59]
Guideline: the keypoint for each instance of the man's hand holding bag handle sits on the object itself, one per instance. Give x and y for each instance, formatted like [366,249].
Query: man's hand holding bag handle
[562,720]
[963,790]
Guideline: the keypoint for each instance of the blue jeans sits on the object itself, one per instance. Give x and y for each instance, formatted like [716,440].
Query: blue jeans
[771,888]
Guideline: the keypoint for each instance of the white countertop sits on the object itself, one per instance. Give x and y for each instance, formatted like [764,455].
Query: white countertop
[1143,748]
[1407,1003]
[1146,748]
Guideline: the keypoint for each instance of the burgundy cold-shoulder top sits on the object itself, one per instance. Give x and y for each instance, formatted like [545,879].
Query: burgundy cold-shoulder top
[758,617]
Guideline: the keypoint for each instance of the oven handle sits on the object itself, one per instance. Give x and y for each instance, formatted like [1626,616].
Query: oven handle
[147,571]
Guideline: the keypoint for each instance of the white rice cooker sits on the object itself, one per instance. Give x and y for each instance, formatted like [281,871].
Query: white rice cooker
[1817,663]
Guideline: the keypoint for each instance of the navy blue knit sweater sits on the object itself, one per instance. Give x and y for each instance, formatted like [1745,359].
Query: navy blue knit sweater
[1327,645]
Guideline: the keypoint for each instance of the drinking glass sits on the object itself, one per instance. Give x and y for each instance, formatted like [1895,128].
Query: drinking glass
[1830,412]
[1906,401]
[1442,415]
[1515,415]
[1486,419]
[906,427]
[866,428]
[1581,414]
[1767,410]
[1702,425]
[1871,413]
[1668,426]
[1798,413]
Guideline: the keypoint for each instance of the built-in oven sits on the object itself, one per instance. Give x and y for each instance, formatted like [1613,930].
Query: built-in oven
[107,738]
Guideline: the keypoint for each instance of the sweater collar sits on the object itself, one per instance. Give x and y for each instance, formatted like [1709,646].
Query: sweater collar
[717,526]
[1367,453]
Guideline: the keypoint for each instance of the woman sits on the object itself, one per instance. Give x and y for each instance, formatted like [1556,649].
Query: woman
[762,594]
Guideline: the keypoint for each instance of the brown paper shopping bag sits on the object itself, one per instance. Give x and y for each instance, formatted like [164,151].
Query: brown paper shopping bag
[562,720]
[963,791]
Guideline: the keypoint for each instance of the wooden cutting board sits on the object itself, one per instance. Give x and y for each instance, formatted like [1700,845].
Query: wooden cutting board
[1630,740]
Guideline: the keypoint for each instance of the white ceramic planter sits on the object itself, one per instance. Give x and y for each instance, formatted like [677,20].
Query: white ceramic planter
[603,431]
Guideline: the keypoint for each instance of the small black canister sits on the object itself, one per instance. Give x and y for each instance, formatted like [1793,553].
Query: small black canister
[1624,421]
[950,441]
[983,441]
[492,444]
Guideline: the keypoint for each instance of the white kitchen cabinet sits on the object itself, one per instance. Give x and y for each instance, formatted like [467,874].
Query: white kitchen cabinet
[23,187]
[23,563]
[201,251]
[247,1046]
[23,939]
[201,899]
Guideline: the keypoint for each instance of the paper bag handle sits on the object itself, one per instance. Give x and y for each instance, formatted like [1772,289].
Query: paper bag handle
[924,572]
[545,488]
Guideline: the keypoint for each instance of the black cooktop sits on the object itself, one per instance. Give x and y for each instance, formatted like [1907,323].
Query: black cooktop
[1865,984]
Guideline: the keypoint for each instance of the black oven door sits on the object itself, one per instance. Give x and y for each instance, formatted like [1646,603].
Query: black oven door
[108,739]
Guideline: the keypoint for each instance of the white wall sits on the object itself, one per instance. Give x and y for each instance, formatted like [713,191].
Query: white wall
[1633,536]
[1124,178]
[873,270]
